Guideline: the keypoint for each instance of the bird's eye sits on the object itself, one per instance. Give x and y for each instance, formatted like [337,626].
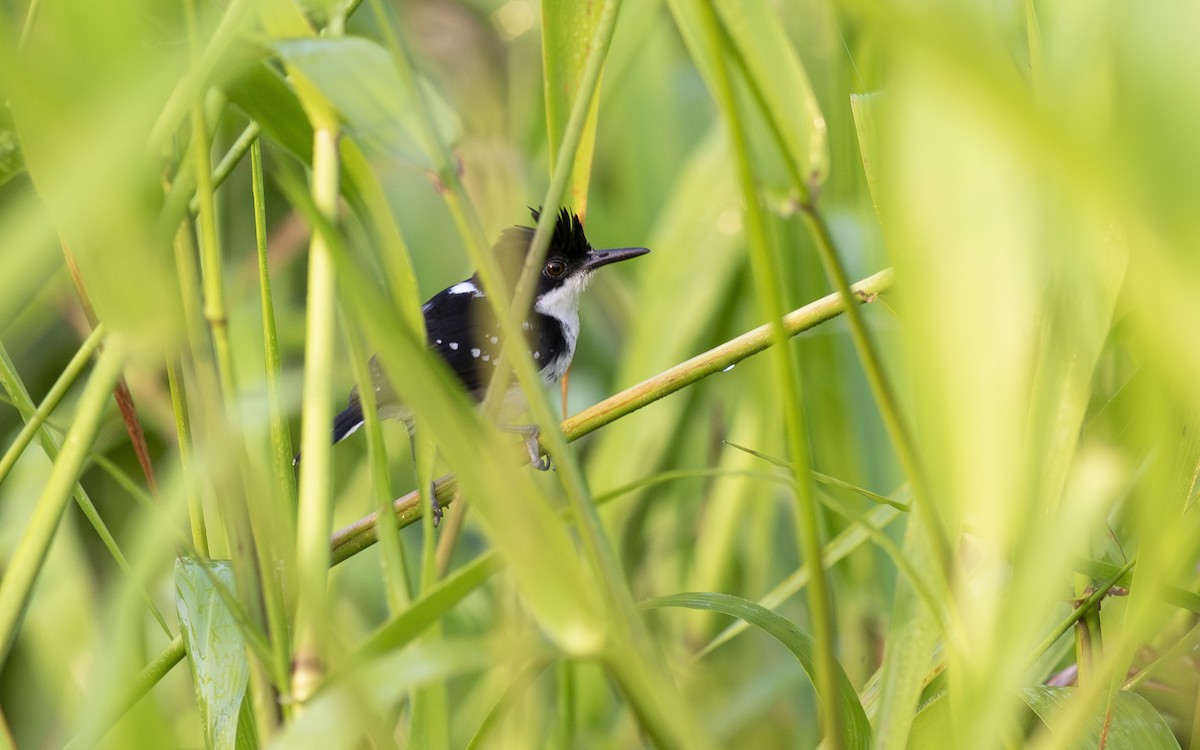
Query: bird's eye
[555,268]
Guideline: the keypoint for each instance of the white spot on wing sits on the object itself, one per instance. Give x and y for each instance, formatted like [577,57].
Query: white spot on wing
[474,352]
[454,345]
[465,287]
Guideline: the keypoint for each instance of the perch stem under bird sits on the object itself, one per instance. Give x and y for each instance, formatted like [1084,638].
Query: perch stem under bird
[461,327]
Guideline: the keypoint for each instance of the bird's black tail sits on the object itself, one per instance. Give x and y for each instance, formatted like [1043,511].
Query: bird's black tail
[349,420]
[344,424]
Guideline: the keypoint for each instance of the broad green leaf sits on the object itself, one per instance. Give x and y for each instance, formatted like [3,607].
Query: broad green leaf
[775,69]
[215,649]
[263,95]
[567,30]
[359,81]
[1132,723]
[801,644]
[865,108]
[755,36]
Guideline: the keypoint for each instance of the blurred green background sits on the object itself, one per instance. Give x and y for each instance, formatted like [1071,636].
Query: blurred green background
[1025,397]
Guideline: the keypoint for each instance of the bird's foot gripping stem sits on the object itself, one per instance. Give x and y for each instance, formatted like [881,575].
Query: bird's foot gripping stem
[435,507]
[530,433]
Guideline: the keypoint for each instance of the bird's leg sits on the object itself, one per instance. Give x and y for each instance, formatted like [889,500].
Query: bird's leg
[530,433]
[435,508]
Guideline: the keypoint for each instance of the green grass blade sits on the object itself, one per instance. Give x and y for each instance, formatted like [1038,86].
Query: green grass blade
[856,727]
[1130,722]
[567,27]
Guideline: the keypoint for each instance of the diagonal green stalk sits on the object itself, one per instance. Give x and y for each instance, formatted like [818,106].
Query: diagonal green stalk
[35,424]
[150,676]
[27,559]
[788,384]
[395,573]
[37,417]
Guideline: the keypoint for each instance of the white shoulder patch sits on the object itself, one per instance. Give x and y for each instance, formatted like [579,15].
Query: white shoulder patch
[465,287]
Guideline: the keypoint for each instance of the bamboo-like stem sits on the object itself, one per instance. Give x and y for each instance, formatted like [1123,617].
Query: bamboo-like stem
[362,533]
[315,508]
[211,265]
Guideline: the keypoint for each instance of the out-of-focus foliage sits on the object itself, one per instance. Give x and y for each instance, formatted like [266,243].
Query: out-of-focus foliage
[1025,396]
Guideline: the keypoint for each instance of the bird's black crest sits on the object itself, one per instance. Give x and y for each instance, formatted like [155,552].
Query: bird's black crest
[569,240]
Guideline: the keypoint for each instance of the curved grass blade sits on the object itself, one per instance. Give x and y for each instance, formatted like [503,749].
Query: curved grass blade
[856,727]
[1130,722]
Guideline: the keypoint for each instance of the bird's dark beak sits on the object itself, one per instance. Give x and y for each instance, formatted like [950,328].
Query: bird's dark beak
[597,258]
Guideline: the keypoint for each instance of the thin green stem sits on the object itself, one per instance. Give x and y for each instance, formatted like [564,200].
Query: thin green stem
[889,406]
[767,283]
[281,441]
[27,559]
[273,524]
[395,573]
[211,265]
[35,419]
[183,435]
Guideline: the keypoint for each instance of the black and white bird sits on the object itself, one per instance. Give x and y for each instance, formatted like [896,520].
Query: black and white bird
[462,328]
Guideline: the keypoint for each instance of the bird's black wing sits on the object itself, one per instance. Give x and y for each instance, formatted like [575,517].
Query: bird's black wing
[460,327]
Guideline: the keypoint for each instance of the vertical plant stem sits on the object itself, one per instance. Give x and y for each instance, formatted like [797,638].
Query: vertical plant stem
[274,524]
[210,251]
[281,441]
[183,436]
[788,384]
[35,541]
[315,506]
